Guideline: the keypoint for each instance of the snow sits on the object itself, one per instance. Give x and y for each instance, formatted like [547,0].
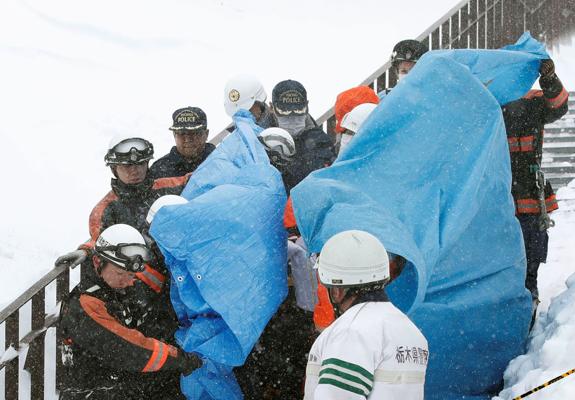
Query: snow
[564,57]
[551,344]
[75,73]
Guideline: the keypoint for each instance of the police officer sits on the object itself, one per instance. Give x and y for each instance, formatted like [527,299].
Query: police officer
[190,129]
[314,148]
[363,353]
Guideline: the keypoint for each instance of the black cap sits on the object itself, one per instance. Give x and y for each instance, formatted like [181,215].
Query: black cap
[408,50]
[189,118]
[289,97]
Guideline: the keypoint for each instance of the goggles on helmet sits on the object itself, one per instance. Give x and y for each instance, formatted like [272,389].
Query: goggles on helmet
[130,151]
[129,256]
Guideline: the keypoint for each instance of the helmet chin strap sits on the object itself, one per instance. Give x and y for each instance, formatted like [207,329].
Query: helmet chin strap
[337,306]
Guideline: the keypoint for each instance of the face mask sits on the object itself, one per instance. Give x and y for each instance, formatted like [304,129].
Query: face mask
[294,124]
[345,139]
[400,76]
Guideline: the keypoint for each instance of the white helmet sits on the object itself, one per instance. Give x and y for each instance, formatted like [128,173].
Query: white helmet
[167,200]
[353,258]
[353,119]
[128,149]
[241,92]
[123,246]
[278,141]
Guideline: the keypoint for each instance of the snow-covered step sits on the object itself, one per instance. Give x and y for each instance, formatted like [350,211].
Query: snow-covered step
[559,137]
[568,128]
[559,175]
[558,182]
[558,172]
[560,147]
[558,159]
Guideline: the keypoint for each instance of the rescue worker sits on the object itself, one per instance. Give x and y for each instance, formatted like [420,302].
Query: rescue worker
[534,198]
[363,354]
[315,149]
[111,348]
[190,129]
[280,148]
[352,121]
[405,55]
[347,101]
[133,192]
[246,92]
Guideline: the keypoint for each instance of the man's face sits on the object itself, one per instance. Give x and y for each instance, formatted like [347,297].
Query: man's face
[190,144]
[116,277]
[404,67]
[132,174]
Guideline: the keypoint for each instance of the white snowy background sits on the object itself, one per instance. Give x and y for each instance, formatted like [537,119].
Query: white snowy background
[74,73]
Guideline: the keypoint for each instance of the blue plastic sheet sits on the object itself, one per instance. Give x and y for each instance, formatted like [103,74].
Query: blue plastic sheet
[226,251]
[429,174]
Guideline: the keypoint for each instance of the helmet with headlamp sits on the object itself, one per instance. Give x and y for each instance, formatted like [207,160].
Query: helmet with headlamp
[123,246]
[128,150]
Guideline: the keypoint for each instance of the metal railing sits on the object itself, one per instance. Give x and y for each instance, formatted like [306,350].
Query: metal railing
[470,24]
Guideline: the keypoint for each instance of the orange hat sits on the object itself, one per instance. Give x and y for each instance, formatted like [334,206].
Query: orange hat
[348,100]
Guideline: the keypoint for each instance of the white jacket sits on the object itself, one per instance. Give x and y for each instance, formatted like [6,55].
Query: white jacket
[372,351]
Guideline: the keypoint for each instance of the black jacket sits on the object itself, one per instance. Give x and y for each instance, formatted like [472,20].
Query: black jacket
[315,149]
[524,121]
[129,204]
[113,347]
[173,164]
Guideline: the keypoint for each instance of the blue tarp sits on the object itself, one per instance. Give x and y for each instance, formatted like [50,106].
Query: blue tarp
[226,251]
[429,174]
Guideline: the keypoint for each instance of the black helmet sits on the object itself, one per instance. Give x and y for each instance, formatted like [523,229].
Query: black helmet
[408,50]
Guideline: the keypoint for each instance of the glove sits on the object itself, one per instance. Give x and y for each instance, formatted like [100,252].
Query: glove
[190,362]
[72,259]
[546,68]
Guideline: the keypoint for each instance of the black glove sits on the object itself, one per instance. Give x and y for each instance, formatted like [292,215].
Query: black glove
[546,68]
[72,259]
[190,362]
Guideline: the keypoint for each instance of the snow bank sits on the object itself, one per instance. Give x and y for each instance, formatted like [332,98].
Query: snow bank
[551,346]
[550,353]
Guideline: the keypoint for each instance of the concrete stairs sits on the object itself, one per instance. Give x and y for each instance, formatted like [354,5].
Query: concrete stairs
[559,148]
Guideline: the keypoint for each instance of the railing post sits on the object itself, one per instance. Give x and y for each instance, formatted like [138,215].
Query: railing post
[35,357]
[62,290]
[12,335]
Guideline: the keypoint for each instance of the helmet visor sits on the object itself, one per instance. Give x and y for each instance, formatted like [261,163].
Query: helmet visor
[129,144]
[129,256]
[130,151]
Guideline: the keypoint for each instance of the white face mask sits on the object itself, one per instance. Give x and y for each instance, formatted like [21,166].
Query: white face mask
[345,139]
[294,124]
[400,76]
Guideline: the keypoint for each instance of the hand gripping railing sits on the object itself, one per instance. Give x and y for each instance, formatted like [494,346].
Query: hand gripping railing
[470,24]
